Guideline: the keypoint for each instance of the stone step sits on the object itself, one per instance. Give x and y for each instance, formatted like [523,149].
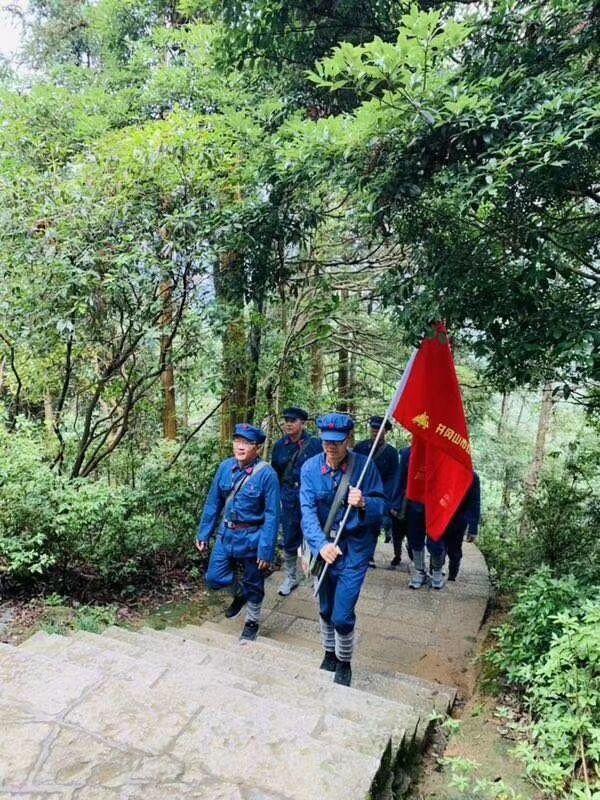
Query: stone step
[121,665]
[423,695]
[21,687]
[384,654]
[369,737]
[110,732]
[302,684]
[419,704]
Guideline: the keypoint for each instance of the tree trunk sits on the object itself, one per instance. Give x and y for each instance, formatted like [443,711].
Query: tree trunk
[352,385]
[547,405]
[533,479]
[502,423]
[227,279]
[48,411]
[253,360]
[317,370]
[234,379]
[168,375]
[504,412]
[343,379]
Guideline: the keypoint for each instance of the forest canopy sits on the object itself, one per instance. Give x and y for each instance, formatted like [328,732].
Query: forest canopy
[214,209]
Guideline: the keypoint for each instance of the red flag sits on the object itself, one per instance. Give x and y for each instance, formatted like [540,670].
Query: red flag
[430,406]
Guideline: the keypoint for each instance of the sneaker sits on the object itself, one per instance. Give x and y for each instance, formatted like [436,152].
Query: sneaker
[419,579]
[250,631]
[329,662]
[288,586]
[395,562]
[343,673]
[437,579]
[236,606]
[372,564]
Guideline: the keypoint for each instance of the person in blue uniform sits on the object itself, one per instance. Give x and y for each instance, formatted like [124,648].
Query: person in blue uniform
[386,460]
[287,458]
[414,516]
[398,510]
[349,560]
[466,520]
[242,511]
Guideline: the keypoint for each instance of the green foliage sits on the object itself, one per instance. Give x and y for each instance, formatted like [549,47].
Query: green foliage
[60,618]
[272,35]
[482,157]
[55,529]
[463,778]
[549,650]
[533,623]
[95,618]
[556,527]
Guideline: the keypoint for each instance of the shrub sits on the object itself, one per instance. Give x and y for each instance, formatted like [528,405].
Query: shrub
[560,530]
[549,650]
[527,635]
[52,527]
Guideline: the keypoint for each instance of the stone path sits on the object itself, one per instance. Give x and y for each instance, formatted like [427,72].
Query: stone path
[189,713]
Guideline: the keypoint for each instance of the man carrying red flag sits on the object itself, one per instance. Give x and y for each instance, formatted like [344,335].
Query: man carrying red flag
[440,469]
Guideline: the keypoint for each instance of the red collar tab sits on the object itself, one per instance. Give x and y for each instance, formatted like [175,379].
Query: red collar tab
[248,470]
[325,469]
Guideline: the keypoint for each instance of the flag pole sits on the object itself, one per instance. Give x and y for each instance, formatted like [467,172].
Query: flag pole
[393,403]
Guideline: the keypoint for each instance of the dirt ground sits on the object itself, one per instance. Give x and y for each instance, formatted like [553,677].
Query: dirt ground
[182,605]
[471,755]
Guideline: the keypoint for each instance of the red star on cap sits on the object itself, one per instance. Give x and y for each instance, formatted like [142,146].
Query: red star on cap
[331,426]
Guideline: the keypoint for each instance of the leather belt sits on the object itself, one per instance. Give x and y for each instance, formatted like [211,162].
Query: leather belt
[240,526]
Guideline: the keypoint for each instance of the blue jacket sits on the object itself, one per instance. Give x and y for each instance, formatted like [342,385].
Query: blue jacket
[256,505]
[318,486]
[469,512]
[386,461]
[284,449]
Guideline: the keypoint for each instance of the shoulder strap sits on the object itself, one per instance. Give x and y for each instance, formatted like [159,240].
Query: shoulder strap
[238,488]
[289,467]
[340,494]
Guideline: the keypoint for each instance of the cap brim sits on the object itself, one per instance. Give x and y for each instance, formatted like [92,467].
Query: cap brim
[290,418]
[334,436]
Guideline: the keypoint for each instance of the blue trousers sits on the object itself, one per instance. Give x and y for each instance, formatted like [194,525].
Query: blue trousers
[417,537]
[291,516]
[453,539]
[221,568]
[341,586]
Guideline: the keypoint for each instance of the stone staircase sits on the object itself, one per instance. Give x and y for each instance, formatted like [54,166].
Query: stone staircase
[190,713]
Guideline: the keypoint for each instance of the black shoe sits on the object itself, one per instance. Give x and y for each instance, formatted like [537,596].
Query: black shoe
[343,673]
[395,562]
[453,568]
[236,606]
[250,631]
[329,662]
